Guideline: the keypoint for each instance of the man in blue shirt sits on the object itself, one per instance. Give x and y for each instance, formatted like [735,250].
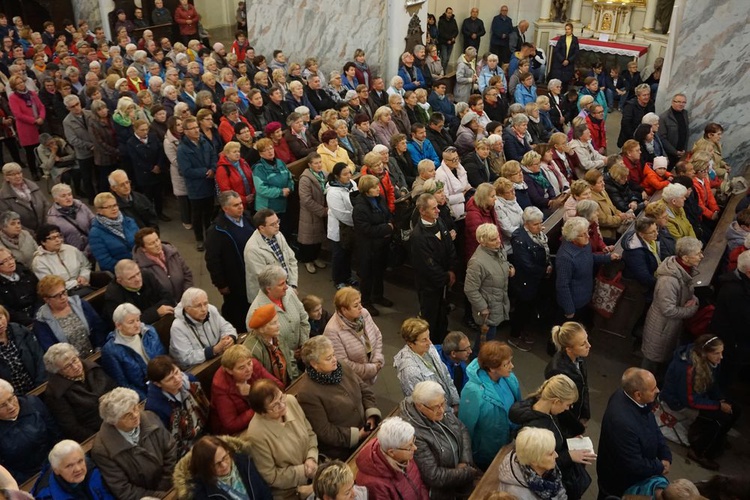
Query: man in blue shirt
[455,352]
[420,148]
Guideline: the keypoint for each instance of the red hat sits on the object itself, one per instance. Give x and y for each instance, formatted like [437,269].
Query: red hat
[271,128]
[262,316]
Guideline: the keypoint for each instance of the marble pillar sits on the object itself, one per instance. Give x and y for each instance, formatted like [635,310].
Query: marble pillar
[331,32]
[89,10]
[707,60]
[650,20]
[544,11]
[575,11]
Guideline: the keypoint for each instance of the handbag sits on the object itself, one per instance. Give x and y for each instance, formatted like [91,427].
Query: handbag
[607,293]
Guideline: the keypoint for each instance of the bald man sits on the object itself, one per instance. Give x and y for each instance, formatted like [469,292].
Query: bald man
[518,36]
[631,446]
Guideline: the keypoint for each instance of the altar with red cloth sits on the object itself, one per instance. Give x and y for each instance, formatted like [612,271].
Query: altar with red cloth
[615,48]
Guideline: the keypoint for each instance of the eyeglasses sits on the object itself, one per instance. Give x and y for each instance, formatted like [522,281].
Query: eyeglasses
[411,447]
[64,293]
[436,408]
[451,160]
[193,128]
[56,236]
[108,207]
[69,365]
[274,224]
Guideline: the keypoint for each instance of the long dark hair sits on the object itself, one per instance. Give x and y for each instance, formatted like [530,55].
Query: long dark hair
[202,461]
[336,171]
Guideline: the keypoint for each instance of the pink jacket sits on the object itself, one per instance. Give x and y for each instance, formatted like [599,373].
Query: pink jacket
[351,350]
[28,131]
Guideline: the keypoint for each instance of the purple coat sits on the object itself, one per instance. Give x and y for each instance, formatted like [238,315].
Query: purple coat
[75,231]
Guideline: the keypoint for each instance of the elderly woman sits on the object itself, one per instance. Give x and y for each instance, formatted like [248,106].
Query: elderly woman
[515,138]
[163,261]
[496,159]
[347,141]
[480,209]
[529,470]
[29,113]
[313,213]
[23,197]
[418,360]
[711,141]
[491,389]
[376,165]
[281,149]
[233,173]
[589,210]
[386,465]
[642,255]
[284,446]
[57,159]
[334,479]
[588,158]
[373,229]
[486,282]
[443,454]
[356,338]
[340,407]
[339,189]
[678,224]
[263,342]
[295,328]
[17,289]
[674,302]
[112,234]
[73,217]
[199,332]
[73,391]
[631,158]
[610,218]
[658,212]
[27,432]
[53,257]
[17,240]
[512,171]
[273,180]
[455,181]
[22,363]
[178,399]
[620,191]
[541,192]
[507,210]
[70,470]
[382,125]
[134,452]
[541,410]
[331,152]
[219,468]
[575,269]
[466,75]
[564,157]
[129,347]
[67,318]
[230,410]
[525,91]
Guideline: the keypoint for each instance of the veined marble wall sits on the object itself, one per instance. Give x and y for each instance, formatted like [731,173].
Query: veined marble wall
[711,64]
[329,31]
[89,10]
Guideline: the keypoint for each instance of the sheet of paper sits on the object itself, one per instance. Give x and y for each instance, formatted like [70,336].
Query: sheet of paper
[604,37]
[580,443]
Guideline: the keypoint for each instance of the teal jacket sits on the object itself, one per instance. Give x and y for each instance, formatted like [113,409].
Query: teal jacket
[269,181]
[484,415]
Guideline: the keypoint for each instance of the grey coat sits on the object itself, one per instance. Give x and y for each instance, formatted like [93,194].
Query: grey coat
[486,284]
[77,133]
[664,321]
[441,446]
[176,279]
[313,212]
[33,212]
[24,251]
[75,231]
[669,131]
[464,80]
[411,369]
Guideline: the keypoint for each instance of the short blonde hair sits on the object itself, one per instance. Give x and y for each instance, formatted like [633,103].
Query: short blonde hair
[558,138]
[655,210]
[234,355]
[231,146]
[619,172]
[330,478]
[503,185]
[585,101]
[530,157]
[367,182]
[532,444]
[412,328]
[483,194]
[542,100]
[487,232]
[578,187]
[382,110]
[345,297]
[103,198]
[509,168]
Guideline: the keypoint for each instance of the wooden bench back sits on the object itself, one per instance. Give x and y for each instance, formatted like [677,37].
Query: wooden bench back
[714,250]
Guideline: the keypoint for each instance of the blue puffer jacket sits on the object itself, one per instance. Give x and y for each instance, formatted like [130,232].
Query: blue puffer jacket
[127,367]
[575,275]
[678,390]
[194,161]
[48,485]
[640,262]
[409,83]
[108,248]
[483,413]
[48,330]
[270,179]
[424,152]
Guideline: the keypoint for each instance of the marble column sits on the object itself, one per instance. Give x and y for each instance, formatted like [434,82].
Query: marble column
[575,11]
[544,12]
[88,10]
[105,7]
[650,21]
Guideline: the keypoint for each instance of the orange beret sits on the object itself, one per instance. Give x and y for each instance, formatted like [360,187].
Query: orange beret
[262,316]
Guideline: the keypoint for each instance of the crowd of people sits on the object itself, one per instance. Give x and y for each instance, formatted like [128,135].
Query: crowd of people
[389,171]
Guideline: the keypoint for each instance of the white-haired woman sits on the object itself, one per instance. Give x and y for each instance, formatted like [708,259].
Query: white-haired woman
[73,391]
[486,282]
[19,242]
[198,332]
[674,197]
[335,480]
[529,470]
[575,269]
[129,347]
[23,197]
[396,87]
[674,302]
[340,407]
[516,138]
[134,452]
[443,453]
[386,467]
[382,125]
[70,470]
[466,75]
[72,216]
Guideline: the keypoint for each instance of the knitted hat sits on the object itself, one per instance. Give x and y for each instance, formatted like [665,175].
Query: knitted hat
[262,316]
[660,162]
[271,128]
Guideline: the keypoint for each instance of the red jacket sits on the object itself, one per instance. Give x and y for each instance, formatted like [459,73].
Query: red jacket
[595,238]
[226,128]
[475,217]
[598,133]
[386,189]
[283,152]
[734,255]
[27,130]
[706,199]
[230,413]
[240,50]
[136,85]
[183,16]
[652,182]
[383,481]
[229,179]
[636,175]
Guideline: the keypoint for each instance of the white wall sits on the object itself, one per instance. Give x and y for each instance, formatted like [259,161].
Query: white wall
[216,12]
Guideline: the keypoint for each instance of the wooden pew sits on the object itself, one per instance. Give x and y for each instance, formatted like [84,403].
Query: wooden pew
[490,481]
[553,229]
[96,299]
[449,79]
[352,460]
[163,327]
[714,250]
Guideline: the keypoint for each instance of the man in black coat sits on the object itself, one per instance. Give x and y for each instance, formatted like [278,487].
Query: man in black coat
[132,204]
[438,136]
[502,25]
[146,156]
[319,98]
[275,109]
[631,446]
[633,112]
[225,245]
[473,30]
[434,260]
[142,290]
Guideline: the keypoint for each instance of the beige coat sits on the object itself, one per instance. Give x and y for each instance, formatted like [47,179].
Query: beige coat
[486,285]
[279,450]
[351,349]
[609,216]
[312,210]
[258,254]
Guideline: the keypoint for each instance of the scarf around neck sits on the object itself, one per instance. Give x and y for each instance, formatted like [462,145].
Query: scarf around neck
[332,378]
[114,226]
[544,487]
[537,177]
[70,211]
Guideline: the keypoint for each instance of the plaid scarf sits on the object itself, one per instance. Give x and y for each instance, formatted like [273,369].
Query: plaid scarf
[112,225]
